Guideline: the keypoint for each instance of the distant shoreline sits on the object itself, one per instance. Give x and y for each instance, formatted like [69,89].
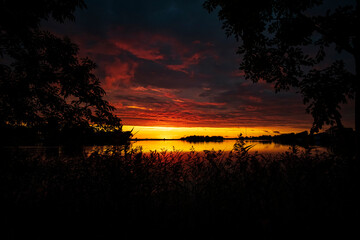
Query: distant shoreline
[178,139]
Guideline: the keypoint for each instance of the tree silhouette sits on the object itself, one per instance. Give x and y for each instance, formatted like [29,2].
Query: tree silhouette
[42,79]
[292,44]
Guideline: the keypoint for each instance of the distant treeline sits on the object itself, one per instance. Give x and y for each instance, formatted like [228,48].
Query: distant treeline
[340,137]
[196,138]
[22,135]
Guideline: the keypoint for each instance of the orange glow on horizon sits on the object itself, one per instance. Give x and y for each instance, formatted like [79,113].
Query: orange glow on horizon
[158,132]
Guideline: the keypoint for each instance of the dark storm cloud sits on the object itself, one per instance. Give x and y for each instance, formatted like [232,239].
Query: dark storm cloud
[170,60]
[182,51]
[151,73]
[185,19]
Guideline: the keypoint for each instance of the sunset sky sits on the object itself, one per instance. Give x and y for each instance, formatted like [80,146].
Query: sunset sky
[168,64]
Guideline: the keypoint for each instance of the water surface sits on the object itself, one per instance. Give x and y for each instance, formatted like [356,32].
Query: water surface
[146,146]
[261,147]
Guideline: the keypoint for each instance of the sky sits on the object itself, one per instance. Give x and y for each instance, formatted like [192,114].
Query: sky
[169,69]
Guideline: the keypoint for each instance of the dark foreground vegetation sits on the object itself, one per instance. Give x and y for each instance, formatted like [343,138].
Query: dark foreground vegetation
[173,195]
[333,137]
[66,135]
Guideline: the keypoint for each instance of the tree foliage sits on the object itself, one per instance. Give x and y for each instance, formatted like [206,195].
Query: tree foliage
[42,78]
[292,44]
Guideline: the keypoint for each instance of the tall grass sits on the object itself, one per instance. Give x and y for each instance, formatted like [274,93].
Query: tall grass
[174,194]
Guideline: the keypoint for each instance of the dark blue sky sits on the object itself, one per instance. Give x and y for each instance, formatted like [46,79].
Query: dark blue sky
[169,63]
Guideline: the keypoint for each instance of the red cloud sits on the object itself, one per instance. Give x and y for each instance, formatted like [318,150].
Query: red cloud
[143,52]
[146,45]
[119,73]
[192,60]
[157,106]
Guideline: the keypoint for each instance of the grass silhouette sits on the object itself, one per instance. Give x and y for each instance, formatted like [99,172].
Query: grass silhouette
[175,195]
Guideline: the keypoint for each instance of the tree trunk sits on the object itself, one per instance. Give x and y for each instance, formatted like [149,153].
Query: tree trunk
[338,121]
